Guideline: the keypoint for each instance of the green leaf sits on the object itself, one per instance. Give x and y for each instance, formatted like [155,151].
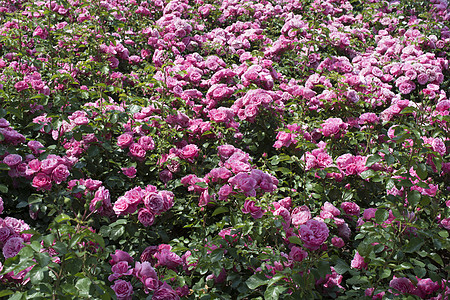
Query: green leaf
[421,170]
[295,240]
[60,247]
[414,245]
[273,292]
[3,189]
[381,215]
[443,233]
[83,286]
[372,159]
[414,198]
[201,184]
[117,232]
[324,268]
[5,293]
[256,280]
[341,266]
[385,273]
[61,218]
[216,255]
[367,174]
[420,271]
[219,210]
[17,296]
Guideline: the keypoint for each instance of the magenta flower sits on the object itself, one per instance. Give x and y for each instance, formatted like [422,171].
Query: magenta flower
[123,289]
[313,234]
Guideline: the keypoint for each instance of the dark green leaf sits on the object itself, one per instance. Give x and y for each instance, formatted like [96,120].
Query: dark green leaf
[256,280]
[219,210]
[414,245]
[381,215]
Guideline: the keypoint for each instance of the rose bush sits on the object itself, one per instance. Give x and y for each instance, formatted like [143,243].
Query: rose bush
[224,150]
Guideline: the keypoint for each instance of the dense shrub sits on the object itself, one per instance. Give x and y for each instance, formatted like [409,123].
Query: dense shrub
[224,150]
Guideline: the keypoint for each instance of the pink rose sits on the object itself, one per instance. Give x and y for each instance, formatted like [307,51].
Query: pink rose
[403,285]
[137,151]
[12,246]
[297,254]
[300,215]
[358,262]
[165,292]
[225,151]
[60,173]
[120,269]
[123,289]
[313,234]
[350,208]
[189,152]
[154,202]
[125,140]
[328,207]
[147,143]
[123,206]
[369,213]
[427,286]
[167,197]
[129,172]
[5,234]
[224,191]
[120,256]
[12,160]
[21,85]
[146,217]
[36,147]
[251,208]
[337,242]
[42,182]
[168,259]
[48,164]
[333,127]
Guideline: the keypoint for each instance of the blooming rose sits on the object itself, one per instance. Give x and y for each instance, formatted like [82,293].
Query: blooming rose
[48,164]
[313,233]
[120,256]
[251,208]
[123,206]
[350,208]
[5,234]
[154,202]
[125,140]
[60,173]
[189,152]
[146,217]
[36,147]
[337,242]
[147,275]
[42,182]
[12,160]
[123,289]
[297,254]
[137,151]
[168,258]
[165,292]
[120,269]
[403,285]
[12,246]
[129,172]
[358,262]
[167,199]
[147,143]
[300,215]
